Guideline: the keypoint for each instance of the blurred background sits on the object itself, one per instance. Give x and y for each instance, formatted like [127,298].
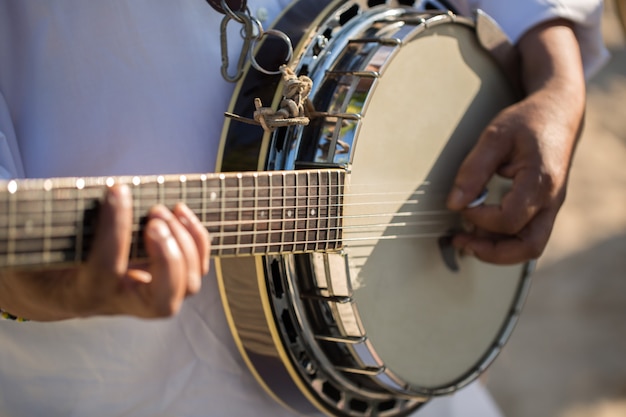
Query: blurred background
[567,357]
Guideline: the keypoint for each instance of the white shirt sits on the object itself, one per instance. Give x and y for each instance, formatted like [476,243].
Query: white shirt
[96,88]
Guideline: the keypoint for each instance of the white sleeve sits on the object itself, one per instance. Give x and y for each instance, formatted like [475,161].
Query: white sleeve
[517,17]
[10,159]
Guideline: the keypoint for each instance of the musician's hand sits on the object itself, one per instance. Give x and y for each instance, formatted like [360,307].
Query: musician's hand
[532,143]
[178,249]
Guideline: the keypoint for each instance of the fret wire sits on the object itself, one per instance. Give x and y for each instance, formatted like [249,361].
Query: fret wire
[296,211]
[47,207]
[284,222]
[204,198]
[317,209]
[80,209]
[332,225]
[308,205]
[311,211]
[223,205]
[239,212]
[255,211]
[328,202]
[270,211]
[327,222]
[12,227]
[338,208]
[160,190]
[183,188]
[331,202]
[137,197]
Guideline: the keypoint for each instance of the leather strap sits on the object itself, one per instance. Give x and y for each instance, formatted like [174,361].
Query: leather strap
[235,5]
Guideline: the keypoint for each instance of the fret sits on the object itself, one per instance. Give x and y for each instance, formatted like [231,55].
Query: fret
[222,197]
[262,224]
[137,198]
[12,210]
[80,208]
[204,198]
[317,212]
[193,196]
[292,213]
[337,212]
[47,214]
[278,213]
[308,209]
[248,204]
[270,215]
[183,188]
[283,224]
[239,213]
[330,211]
[161,190]
[322,211]
[297,235]
[255,213]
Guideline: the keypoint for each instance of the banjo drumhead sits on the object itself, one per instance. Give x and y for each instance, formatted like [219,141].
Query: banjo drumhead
[432,327]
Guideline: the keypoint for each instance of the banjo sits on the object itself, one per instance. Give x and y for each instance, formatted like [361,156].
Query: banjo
[331,239]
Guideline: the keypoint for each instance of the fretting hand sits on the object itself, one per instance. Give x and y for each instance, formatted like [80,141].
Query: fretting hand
[178,256]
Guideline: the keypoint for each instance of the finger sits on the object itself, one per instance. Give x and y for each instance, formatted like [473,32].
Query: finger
[483,161]
[509,249]
[187,245]
[163,296]
[111,244]
[518,207]
[198,232]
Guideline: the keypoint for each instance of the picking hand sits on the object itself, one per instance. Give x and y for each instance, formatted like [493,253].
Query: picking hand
[532,143]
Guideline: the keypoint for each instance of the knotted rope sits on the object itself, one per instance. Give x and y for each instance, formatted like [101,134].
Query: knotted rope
[294,107]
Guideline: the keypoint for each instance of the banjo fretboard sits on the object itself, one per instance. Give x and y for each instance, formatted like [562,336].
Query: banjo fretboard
[51,221]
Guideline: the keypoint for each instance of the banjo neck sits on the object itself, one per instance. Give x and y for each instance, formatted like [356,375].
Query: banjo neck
[51,222]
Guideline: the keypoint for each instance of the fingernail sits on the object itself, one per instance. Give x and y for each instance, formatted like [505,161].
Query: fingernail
[117,194]
[184,214]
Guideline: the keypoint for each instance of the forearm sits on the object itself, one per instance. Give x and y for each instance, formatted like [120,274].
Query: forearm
[553,79]
[551,67]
